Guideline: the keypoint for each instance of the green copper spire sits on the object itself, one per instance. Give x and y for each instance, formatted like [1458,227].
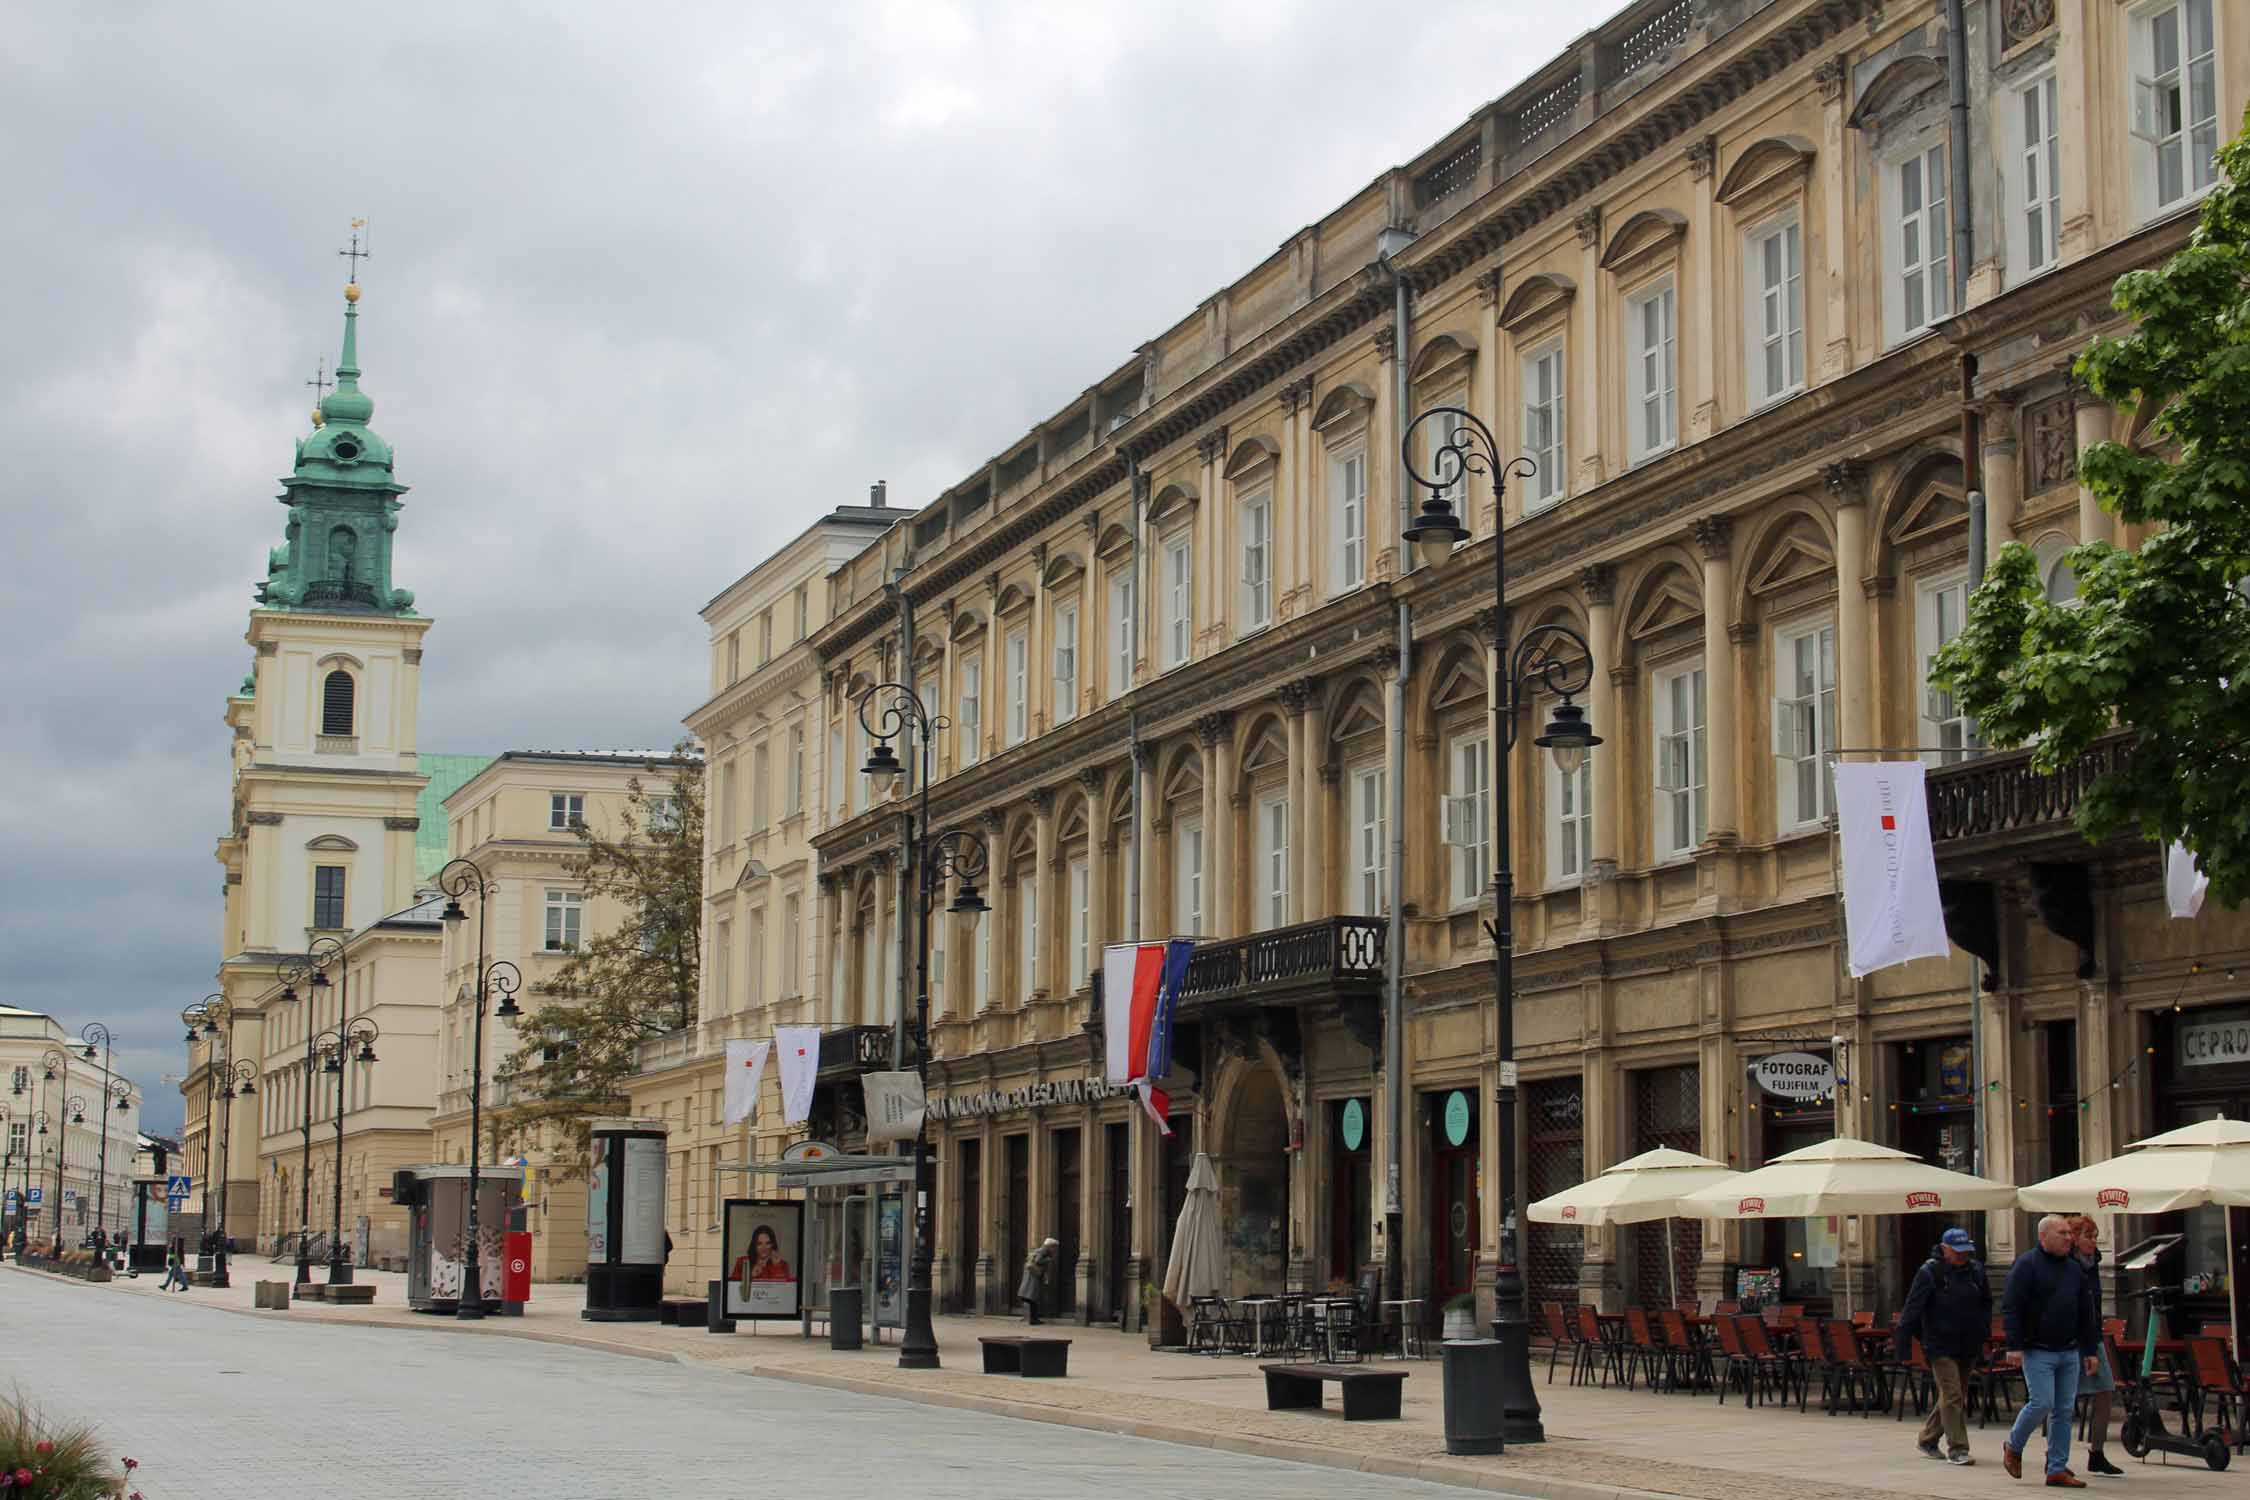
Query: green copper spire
[343,505]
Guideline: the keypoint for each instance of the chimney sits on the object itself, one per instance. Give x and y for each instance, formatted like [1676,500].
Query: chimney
[878,493]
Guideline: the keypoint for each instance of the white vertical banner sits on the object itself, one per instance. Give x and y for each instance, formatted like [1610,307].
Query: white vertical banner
[894,1104]
[2184,882]
[797,1050]
[1891,908]
[1118,962]
[746,1065]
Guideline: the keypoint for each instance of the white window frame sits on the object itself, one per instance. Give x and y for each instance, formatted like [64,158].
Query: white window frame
[1176,556]
[1467,822]
[1917,242]
[2169,109]
[1347,499]
[793,941]
[871,1007]
[862,747]
[1122,644]
[2034,178]
[969,732]
[981,963]
[1187,877]
[564,928]
[1652,372]
[1065,662]
[565,811]
[761,793]
[1680,755]
[1257,559]
[1368,817]
[1546,424]
[1270,843]
[1804,724]
[1081,879]
[1017,664]
[796,788]
[728,821]
[1774,297]
[1442,431]
[941,923]
[1570,821]
[1939,602]
[754,986]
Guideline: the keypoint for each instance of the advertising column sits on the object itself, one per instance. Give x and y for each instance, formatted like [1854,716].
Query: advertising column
[625,1239]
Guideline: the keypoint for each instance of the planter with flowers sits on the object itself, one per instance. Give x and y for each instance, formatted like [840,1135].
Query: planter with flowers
[40,1461]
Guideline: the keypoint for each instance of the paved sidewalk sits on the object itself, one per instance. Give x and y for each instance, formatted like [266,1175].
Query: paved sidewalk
[1600,1443]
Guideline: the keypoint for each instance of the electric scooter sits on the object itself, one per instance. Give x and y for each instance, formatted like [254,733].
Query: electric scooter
[2144,1431]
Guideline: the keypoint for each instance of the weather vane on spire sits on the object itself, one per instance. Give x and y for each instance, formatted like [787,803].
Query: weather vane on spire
[355,254]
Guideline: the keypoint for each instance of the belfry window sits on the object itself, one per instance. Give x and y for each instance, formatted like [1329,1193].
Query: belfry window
[336,692]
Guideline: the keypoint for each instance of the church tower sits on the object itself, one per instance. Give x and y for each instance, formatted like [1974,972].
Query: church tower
[322,834]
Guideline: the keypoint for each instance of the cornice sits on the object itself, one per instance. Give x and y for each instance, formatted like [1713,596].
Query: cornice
[798,665]
[2080,291]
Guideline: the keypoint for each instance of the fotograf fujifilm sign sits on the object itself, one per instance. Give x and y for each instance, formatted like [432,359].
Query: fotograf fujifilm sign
[1795,1075]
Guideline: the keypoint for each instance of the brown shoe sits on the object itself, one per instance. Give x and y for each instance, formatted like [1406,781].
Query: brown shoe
[2064,1479]
[2012,1461]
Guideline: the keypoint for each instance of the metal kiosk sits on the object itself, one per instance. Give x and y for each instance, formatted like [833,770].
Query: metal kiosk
[437,1237]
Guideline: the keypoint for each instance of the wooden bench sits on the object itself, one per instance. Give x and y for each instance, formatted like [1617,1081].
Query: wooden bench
[684,1312]
[1026,1356]
[1370,1394]
[352,1291]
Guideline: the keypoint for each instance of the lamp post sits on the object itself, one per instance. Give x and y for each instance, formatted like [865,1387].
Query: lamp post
[73,1113]
[54,1072]
[1470,449]
[336,1046]
[958,853]
[204,1019]
[457,879]
[314,967]
[98,1043]
[239,1076]
[37,1117]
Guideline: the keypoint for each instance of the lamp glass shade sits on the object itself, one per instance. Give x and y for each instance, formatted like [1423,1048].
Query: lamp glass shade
[968,899]
[881,765]
[508,1007]
[452,912]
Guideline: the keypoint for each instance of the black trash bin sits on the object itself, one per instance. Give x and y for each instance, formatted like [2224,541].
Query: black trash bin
[844,1317]
[1474,1420]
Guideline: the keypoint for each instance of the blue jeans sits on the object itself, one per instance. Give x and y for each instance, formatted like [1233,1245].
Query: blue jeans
[2050,1376]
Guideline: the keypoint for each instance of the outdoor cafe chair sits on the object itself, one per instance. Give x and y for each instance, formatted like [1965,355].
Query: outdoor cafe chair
[1559,1334]
[1643,1353]
[1343,1334]
[1690,1357]
[1777,1369]
[1914,1379]
[2218,1387]
[1858,1378]
[1735,1366]
[1601,1348]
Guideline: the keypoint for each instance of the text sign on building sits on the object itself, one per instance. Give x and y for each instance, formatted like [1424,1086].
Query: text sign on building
[1030,1096]
[2204,1044]
[1795,1075]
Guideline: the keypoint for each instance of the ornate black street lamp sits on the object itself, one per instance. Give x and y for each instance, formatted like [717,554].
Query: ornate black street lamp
[237,1077]
[98,1042]
[354,1041]
[313,968]
[73,1113]
[501,978]
[202,1020]
[957,853]
[1537,659]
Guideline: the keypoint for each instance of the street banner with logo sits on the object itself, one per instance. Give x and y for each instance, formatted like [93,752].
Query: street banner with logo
[746,1065]
[797,1049]
[2184,882]
[1891,908]
[894,1104]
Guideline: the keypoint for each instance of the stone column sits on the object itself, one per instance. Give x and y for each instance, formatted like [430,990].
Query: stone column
[1855,713]
[2094,417]
[1835,262]
[1701,254]
[1713,537]
[1039,663]
[1203,592]
[1049,915]
[1488,386]
[1292,696]
[992,702]
[2003,474]
[1610,757]
[2073,43]
[1384,426]
[1144,839]
[1314,895]
[878,990]
[1218,824]
[1099,854]
[1584,417]
[1284,538]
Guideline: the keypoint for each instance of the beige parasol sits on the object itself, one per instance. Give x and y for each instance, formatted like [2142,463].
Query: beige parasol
[1637,1191]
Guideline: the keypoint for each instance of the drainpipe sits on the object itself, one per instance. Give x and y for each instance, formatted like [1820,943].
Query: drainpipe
[1957,145]
[1136,485]
[1394,949]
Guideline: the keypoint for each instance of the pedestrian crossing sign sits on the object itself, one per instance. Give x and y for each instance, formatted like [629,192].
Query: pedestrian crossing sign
[177,1185]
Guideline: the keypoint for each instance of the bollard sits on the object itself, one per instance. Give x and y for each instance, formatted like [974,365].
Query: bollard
[843,1317]
[716,1320]
[1474,1418]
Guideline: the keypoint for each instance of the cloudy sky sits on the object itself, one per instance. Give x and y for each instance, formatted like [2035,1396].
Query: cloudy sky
[652,286]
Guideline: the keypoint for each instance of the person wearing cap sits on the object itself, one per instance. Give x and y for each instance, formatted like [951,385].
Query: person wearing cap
[1949,1308]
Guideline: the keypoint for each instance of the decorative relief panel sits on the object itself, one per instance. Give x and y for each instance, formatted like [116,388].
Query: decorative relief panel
[2051,438]
[2021,20]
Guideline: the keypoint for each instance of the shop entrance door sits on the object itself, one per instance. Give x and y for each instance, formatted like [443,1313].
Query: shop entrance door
[1117,1152]
[1069,1177]
[1455,1215]
[1350,1201]
[1018,1149]
[968,1239]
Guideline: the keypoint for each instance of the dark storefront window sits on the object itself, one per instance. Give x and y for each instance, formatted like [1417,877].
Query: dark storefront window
[2201,1072]
[1803,1250]
[1935,1116]
[1351,1135]
[1554,1160]
[1667,1111]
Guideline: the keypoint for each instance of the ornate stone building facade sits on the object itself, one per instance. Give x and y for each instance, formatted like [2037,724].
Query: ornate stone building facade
[1715,272]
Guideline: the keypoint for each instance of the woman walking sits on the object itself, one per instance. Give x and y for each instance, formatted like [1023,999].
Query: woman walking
[1037,1268]
[2101,1386]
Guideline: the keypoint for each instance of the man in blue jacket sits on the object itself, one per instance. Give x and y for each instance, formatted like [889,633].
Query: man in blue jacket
[1949,1308]
[2054,1330]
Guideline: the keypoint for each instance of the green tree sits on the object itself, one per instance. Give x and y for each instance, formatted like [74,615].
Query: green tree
[2158,641]
[629,984]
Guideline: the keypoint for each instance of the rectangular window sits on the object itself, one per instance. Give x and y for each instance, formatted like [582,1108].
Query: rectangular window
[1543,430]
[2038,177]
[1066,662]
[1272,853]
[927,691]
[969,733]
[792,944]
[1468,818]
[1019,685]
[566,810]
[1680,769]
[796,792]
[1804,724]
[1187,876]
[1651,375]
[835,767]
[663,814]
[564,909]
[981,974]
[1027,934]
[941,923]
[722,969]
[1443,430]
[761,794]
[328,897]
[802,613]
[1179,600]
[1570,820]
[1921,241]
[1257,561]
[726,804]
[756,976]
[2176,100]
[853,772]
[1347,479]
[734,657]
[1370,833]
[1121,638]
[765,637]
[1940,611]
[1081,923]
[1775,261]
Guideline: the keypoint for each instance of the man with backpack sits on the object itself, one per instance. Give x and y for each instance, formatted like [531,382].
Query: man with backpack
[1949,1308]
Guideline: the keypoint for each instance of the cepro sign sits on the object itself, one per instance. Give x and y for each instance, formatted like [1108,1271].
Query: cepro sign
[1795,1075]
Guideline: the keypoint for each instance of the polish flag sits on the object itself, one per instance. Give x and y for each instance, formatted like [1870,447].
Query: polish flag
[1141,985]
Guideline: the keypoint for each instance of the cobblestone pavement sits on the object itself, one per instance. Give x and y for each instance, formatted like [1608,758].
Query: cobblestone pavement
[222,1407]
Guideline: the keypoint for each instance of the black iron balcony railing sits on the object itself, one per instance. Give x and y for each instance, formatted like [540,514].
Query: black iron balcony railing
[1334,952]
[1999,794]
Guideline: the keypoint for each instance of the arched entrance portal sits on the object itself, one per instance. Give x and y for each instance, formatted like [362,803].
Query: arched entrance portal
[1254,1183]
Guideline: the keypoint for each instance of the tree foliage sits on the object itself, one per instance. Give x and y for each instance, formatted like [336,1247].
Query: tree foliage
[631,983]
[2158,641]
